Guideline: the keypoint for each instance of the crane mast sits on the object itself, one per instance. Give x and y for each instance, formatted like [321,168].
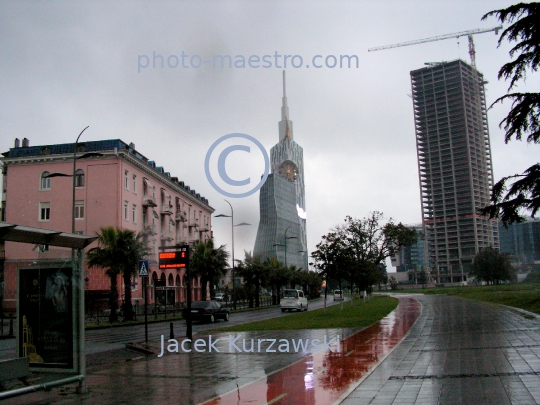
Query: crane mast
[468,34]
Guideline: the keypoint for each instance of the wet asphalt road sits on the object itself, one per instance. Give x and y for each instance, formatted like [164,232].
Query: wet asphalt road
[109,339]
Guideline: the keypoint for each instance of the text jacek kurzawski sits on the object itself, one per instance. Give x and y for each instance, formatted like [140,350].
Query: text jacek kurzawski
[237,344]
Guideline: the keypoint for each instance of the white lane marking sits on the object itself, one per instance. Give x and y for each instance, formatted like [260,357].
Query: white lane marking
[276,399]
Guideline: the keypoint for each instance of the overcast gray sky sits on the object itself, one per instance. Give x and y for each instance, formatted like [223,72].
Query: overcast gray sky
[66,65]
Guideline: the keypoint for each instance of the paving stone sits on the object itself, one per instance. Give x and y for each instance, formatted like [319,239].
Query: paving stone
[463,352]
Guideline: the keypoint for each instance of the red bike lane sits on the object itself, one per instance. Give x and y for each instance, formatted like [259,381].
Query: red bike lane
[325,377]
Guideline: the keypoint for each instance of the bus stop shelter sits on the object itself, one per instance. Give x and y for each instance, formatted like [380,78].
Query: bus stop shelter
[50,310]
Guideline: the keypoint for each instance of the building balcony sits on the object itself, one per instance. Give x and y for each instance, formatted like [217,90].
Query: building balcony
[194,224]
[180,217]
[181,241]
[149,202]
[149,229]
[166,236]
[166,210]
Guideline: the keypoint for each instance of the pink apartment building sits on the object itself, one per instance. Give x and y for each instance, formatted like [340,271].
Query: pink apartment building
[115,186]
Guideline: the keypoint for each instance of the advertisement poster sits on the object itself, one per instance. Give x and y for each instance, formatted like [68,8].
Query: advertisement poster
[45,317]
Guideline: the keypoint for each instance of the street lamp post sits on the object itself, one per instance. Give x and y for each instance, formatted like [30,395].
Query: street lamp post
[74,183]
[232,246]
[285,244]
[74,177]
[81,281]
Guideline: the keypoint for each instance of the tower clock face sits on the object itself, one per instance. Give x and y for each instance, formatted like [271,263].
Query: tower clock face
[288,170]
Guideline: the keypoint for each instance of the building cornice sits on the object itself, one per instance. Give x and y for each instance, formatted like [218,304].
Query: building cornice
[121,153]
[162,178]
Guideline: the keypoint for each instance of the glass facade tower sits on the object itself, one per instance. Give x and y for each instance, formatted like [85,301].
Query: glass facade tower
[282,200]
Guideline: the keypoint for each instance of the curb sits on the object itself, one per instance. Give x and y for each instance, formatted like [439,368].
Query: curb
[529,314]
[133,323]
[140,348]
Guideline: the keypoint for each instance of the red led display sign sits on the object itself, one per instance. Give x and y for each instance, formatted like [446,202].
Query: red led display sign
[173,260]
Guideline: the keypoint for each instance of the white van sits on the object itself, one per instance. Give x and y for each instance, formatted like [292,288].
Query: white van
[293,299]
[338,295]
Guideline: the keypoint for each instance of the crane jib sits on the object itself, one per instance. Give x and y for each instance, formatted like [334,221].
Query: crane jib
[438,38]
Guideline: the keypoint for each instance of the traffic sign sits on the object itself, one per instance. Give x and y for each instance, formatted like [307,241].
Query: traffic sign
[143,268]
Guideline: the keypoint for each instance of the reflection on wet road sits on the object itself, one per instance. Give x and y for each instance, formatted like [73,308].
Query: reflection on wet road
[324,377]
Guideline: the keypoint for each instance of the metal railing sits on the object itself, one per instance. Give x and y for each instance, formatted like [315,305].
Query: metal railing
[243,304]
[160,311]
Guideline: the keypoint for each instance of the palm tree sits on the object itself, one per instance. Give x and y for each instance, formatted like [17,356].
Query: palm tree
[118,252]
[104,256]
[253,271]
[134,249]
[209,263]
[278,276]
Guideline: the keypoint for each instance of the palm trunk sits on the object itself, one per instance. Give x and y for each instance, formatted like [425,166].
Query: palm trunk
[251,296]
[257,294]
[113,300]
[128,308]
[342,295]
[203,288]
[211,288]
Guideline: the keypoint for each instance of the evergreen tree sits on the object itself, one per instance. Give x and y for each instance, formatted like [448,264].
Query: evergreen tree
[492,266]
[520,192]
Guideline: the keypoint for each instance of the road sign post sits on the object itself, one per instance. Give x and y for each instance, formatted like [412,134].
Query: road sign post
[144,273]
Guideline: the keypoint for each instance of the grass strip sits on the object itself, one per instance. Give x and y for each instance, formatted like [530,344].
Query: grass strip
[524,296]
[360,315]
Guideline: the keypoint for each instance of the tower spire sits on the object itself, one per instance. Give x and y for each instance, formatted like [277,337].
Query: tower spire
[284,98]
[285,126]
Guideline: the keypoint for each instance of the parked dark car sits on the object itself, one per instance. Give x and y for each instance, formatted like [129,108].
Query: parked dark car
[209,311]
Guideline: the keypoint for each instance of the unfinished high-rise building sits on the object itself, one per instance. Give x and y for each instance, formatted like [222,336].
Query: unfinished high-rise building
[454,165]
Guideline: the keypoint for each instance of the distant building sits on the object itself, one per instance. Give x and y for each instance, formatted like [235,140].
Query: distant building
[454,165]
[411,257]
[282,227]
[114,186]
[522,242]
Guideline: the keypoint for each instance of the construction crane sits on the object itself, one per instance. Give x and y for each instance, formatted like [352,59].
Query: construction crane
[469,34]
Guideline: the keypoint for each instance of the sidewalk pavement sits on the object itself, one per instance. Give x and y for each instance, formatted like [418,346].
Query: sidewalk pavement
[458,351]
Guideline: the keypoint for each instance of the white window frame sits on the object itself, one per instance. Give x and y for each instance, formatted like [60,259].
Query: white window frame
[126,179]
[79,178]
[44,208]
[126,210]
[136,282]
[46,180]
[134,184]
[79,209]
[134,213]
